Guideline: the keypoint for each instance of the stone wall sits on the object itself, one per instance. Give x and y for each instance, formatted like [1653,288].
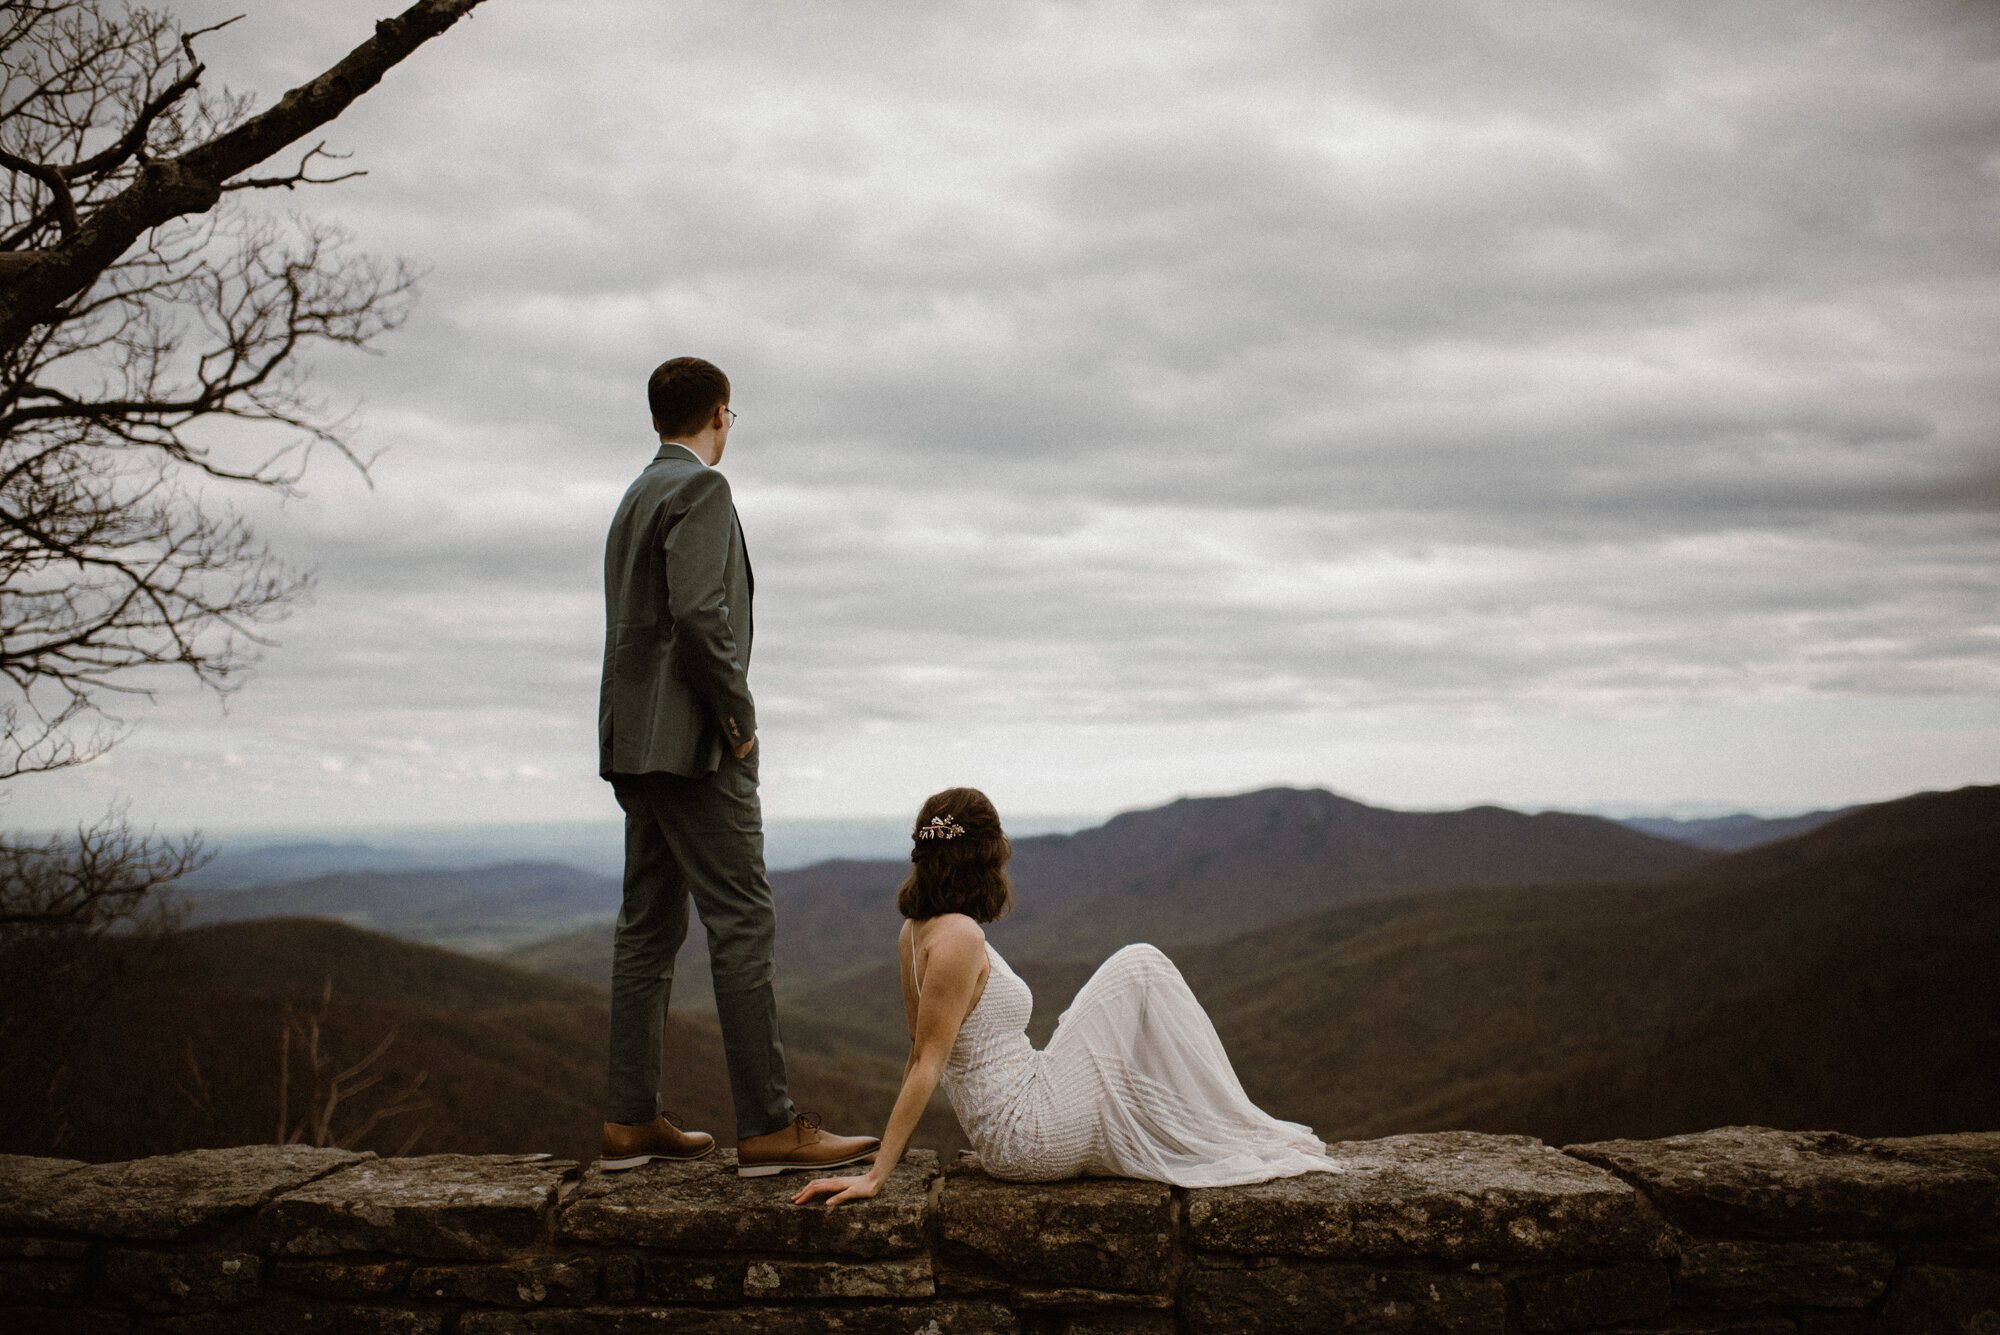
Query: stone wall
[1741,1231]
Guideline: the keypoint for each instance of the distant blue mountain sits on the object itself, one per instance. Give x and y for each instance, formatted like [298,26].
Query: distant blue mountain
[245,860]
[1732,834]
[479,910]
[272,864]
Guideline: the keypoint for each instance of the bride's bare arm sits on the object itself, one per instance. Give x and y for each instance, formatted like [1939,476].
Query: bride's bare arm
[954,965]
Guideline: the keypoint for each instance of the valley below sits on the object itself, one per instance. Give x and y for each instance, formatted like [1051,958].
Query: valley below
[1369,971]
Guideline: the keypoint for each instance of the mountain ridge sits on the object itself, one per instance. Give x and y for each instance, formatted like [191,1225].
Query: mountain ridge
[1189,870]
[478,909]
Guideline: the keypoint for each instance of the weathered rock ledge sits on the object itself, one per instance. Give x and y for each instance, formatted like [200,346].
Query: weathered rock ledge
[1739,1231]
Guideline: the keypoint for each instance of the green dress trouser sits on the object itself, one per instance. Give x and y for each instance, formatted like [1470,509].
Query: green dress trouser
[699,838]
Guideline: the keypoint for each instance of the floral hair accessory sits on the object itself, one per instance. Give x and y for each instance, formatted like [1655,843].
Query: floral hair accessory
[941,827]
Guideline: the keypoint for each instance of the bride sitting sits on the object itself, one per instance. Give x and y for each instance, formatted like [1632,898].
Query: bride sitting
[1134,1082]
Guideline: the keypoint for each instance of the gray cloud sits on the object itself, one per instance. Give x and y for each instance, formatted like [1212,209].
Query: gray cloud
[1265,369]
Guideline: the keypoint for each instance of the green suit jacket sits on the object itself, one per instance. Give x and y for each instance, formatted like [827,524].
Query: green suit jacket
[675,695]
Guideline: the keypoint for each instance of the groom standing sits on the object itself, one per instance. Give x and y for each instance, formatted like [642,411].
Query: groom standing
[677,738]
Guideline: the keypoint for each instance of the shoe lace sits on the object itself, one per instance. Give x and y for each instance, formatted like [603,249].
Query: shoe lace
[806,1121]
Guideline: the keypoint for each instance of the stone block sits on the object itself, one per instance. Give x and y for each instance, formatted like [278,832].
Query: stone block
[45,1249]
[1972,1149]
[780,1279]
[23,1173]
[450,1206]
[303,1317]
[1598,1296]
[1357,1300]
[341,1279]
[945,1318]
[766,1279]
[25,1281]
[526,1282]
[619,1278]
[1455,1195]
[1091,1233]
[179,1281]
[1833,1323]
[1092,1300]
[952,1280]
[534,1323]
[1711,1323]
[1978,1252]
[162,1199]
[692,1279]
[64,1321]
[1937,1300]
[1750,1181]
[1120,1323]
[704,1207]
[1782,1274]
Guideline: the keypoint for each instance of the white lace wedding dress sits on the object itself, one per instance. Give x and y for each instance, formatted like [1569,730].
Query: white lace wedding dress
[1134,1083]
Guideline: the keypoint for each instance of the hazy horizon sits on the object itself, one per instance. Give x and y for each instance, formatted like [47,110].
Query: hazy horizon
[596,845]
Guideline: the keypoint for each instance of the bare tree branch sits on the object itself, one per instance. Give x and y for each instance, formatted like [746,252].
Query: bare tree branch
[193,181]
[142,317]
[301,176]
[112,563]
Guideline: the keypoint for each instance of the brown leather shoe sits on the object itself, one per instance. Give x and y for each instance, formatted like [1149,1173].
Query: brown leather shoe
[801,1146]
[629,1146]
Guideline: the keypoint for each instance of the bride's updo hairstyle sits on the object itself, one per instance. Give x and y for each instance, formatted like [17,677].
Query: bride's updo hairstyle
[958,856]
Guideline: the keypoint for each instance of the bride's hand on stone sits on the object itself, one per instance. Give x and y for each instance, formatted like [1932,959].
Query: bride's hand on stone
[838,1189]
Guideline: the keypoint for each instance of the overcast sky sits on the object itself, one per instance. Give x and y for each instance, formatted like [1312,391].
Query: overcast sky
[1560,404]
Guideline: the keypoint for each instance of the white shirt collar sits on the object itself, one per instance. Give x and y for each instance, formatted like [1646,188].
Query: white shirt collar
[691,454]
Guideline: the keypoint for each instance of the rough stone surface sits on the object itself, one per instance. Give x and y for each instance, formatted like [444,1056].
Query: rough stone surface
[1751,1181]
[1074,1300]
[1348,1298]
[1095,1233]
[527,1282]
[160,1199]
[300,1317]
[1599,1296]
[1833,1323]
[21,1174]
[1454,1195]
[1972,1149]
[341,1279]
[48,1249]
[903,1277]
[67,1321]
[458,1206]
[24,1282]
[1121,1323]
[532,1323]
[704,1207]
[1783,1274]
[692,1279]
[1977,1252]
[1937,1300]
[958,1282]
[733,1280]
[618,1277]
[847,1319]
[180,1281]
[1708,1323]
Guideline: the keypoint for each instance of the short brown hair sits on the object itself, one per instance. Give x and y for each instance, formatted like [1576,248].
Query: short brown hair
[684,394]
[966,873]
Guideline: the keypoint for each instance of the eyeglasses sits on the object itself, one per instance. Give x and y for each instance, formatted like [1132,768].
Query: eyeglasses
[732,415]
